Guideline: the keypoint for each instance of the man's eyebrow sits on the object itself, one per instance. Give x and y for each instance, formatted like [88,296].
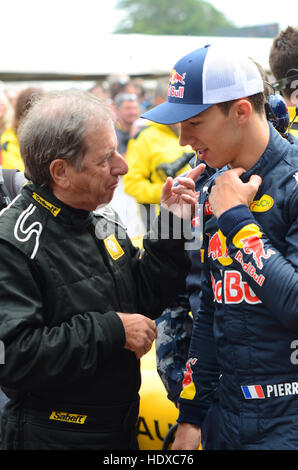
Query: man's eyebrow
[108,154]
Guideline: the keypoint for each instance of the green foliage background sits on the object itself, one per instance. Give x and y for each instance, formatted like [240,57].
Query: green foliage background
[177,17]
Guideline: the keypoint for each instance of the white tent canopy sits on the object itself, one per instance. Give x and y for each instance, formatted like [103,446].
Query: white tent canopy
[115,53]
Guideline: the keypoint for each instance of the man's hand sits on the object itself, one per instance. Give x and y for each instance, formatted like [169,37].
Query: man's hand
[230,191]
[179,195]
[140,332]
[188,437]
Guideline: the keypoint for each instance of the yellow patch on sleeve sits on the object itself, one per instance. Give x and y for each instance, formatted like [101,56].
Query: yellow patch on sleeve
[188,392]
[245,232]
[113,247]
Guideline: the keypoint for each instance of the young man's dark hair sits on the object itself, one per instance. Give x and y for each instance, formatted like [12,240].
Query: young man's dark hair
[257,101]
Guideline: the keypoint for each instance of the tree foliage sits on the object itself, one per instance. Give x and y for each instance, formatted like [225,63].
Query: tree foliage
[177,17]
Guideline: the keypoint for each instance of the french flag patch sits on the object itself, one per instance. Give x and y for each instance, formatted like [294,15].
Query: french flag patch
[252,391]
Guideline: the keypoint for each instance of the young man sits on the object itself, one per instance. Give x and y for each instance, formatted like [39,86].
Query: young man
[76,299]
[241,374]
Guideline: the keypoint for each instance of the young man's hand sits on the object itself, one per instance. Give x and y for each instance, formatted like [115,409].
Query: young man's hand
[230,191]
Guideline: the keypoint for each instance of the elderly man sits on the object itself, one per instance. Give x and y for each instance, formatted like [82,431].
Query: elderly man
[241,375]
[76,299]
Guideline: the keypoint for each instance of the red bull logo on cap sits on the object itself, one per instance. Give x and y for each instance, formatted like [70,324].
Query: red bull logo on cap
[175,78]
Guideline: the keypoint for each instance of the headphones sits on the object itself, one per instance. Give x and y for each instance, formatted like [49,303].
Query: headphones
[277,113]
[283,82]
[276,109]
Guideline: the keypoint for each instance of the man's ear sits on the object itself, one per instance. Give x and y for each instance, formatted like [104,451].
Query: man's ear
[59,172]
[242,110]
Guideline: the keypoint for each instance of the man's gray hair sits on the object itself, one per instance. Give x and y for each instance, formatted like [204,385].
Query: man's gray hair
[56,126]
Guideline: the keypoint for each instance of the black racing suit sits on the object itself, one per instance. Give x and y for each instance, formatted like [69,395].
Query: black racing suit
[64,273]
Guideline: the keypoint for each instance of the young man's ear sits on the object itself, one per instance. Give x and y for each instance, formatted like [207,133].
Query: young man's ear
[242,110]
[59,172]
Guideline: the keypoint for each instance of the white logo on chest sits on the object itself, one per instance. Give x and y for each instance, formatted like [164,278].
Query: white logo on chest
[23,233]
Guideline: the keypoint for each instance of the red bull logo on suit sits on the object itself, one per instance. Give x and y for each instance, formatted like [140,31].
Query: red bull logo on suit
[249,241]
[217,249]
[254,245]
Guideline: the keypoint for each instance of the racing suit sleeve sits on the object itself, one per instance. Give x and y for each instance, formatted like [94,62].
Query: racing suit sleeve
[172,344]
[161,272]
[202,371]
[273,276]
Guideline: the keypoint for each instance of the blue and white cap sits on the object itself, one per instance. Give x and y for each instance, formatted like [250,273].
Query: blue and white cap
[205,77]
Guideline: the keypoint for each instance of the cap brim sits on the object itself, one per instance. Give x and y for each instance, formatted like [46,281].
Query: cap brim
[172,113]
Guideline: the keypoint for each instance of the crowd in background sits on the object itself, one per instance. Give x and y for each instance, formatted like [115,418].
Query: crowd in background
[128,99]
[152,152]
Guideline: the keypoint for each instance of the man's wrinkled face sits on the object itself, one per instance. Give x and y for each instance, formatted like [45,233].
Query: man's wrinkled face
[102,167]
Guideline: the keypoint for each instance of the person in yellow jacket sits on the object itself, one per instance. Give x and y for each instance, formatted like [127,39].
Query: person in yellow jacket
[11,156]
[152,155]
[293,115]
[10,150]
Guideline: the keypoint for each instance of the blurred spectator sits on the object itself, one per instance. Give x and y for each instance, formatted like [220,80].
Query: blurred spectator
[6,115]
[11,156]
[99,90]
[283,61]
[119,83]
[127,112]
[6,112]
[12,94]
[148,157]
[143,97]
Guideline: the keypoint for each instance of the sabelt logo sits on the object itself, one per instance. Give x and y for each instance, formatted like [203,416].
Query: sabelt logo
[50,207]
[68,417]
[262,205]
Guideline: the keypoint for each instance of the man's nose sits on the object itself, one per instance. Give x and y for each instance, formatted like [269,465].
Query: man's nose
[185,138]
[121,167]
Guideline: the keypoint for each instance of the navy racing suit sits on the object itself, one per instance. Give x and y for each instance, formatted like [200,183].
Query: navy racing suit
[243,357]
